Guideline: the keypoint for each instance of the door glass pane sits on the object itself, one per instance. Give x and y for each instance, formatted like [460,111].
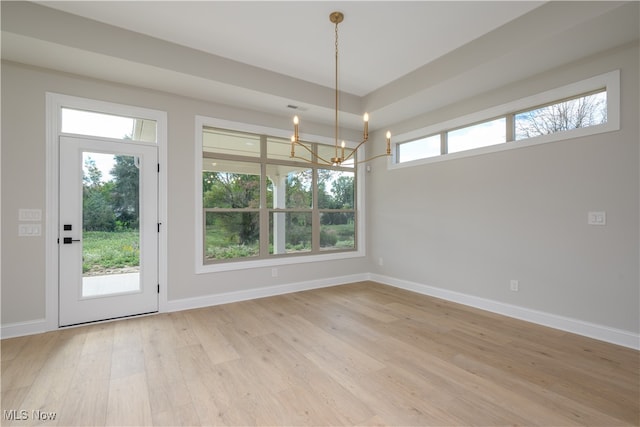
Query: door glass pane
[110,224]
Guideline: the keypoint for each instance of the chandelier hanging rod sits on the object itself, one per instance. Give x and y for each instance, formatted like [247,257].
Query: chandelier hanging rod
[336,18]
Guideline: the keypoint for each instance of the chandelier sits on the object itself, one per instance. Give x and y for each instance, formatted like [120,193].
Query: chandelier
[339,154]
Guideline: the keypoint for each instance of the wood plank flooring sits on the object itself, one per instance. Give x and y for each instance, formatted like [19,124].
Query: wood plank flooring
[358,354]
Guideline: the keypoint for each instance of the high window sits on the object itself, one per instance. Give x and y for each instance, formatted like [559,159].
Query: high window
[258,204]
[91,123]
[583,108]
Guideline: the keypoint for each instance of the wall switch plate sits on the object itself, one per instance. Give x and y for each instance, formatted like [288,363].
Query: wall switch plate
[30,214]
[597,218]
[29,230]
[514,285]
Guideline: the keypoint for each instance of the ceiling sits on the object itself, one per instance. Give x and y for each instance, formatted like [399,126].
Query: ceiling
[378,43]
[397,59]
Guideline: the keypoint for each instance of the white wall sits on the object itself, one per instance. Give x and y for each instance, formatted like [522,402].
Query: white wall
[468,225]
[23,186]
[471,225]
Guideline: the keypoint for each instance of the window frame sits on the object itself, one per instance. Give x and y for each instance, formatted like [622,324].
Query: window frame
[269,260]
[609,81]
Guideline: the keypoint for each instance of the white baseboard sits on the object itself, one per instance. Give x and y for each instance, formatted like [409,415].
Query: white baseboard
[591,330]
[249,294]
[19,329]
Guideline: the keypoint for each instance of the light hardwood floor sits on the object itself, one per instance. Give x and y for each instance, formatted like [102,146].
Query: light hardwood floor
[359,354]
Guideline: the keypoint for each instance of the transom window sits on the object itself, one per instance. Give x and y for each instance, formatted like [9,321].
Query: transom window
[258,203]
[91,123]
[583,108]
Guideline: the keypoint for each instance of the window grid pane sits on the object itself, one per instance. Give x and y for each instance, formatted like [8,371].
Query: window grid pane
[231,184]
[290,232]
[230,235]
[337,230]
[419,149]
[229,142]
[584,111]
[481,135]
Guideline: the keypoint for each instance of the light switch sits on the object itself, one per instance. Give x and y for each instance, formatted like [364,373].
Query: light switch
[597,218]
[29,214]
[29,230]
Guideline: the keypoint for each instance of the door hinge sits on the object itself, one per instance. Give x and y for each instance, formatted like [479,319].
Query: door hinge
[158,167]
[159,224]
[158,287]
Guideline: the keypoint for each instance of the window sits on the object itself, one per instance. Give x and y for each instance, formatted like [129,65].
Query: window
[476,136]
[580,112]
[259,204]
[231,202]
[90,123]
[583,108]
[419,149]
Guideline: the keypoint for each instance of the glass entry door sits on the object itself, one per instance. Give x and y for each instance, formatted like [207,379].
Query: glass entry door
[108,240]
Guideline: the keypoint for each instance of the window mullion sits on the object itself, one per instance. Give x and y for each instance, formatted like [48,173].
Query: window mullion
[444,143]
[315,214]
[511,128]
[264,209]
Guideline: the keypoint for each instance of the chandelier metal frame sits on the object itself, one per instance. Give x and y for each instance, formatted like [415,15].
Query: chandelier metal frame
[339,157]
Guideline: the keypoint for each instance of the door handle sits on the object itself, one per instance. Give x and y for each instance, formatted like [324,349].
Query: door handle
[69,240]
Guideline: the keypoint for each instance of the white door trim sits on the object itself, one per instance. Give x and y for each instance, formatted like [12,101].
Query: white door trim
[54,102]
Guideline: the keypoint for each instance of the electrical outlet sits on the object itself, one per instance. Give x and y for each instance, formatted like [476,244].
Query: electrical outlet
[514,285]
[380,261]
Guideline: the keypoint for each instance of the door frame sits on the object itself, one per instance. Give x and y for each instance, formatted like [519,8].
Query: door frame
[54,103]
[74,307]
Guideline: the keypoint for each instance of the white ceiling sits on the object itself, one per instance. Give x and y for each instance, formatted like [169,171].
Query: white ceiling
[398,60]
[378,41]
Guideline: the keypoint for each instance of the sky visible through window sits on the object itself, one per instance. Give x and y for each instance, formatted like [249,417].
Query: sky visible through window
[97,124]
[467,138]
[480,135]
